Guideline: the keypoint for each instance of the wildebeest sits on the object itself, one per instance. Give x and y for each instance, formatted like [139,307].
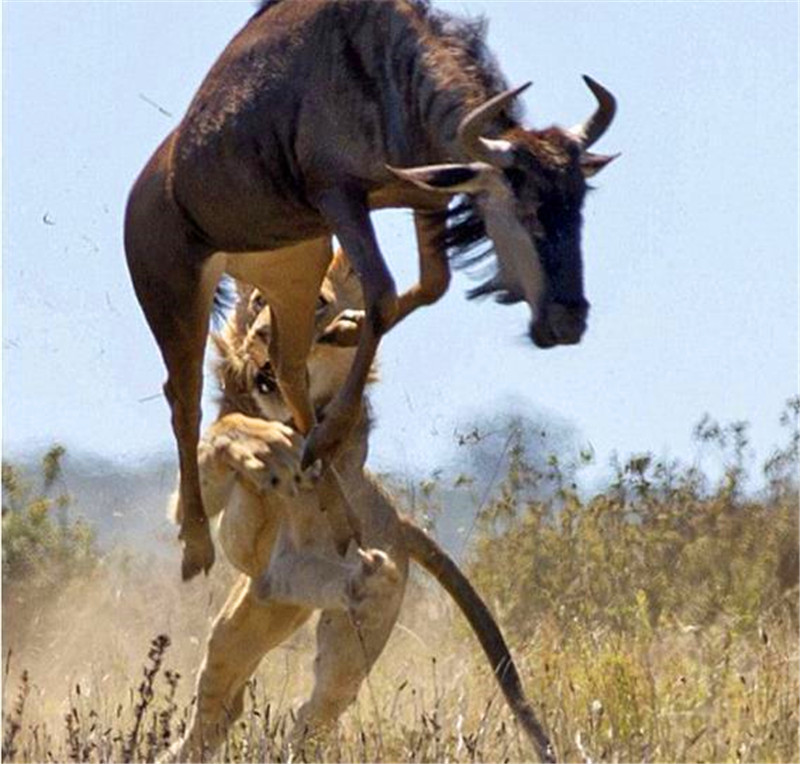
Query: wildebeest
[292,137]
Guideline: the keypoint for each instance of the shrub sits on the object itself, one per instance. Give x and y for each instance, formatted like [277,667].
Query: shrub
[660,545]
[42,546]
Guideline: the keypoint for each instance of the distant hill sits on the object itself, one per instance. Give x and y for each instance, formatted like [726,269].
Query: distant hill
[124,504]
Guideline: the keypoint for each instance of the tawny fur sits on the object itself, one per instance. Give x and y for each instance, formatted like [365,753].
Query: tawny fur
[274,529]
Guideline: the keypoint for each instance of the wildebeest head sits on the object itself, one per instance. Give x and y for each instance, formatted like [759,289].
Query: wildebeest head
[528,188]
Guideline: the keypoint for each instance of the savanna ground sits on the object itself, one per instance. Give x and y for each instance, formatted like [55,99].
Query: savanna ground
[655,619]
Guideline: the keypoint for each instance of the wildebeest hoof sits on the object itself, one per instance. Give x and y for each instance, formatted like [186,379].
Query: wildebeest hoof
[326,437]
[198,552]
[320,445]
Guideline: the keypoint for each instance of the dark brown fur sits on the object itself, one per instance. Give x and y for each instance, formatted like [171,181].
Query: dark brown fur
[286,142]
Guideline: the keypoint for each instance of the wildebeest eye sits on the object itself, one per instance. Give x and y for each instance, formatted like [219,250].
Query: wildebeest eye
[265,380]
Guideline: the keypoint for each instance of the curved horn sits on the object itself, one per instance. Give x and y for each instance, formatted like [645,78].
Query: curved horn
[589,132]
[469,131]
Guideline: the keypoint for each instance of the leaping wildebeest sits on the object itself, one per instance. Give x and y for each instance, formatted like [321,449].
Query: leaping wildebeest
[293,137]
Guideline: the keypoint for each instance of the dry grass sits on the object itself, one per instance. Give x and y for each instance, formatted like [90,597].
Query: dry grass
[674,694]
[654,621]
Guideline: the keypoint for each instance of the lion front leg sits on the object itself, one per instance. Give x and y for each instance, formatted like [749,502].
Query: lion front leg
[244,631]
[264,455]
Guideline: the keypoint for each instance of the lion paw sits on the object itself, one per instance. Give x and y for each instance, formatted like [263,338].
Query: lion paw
[345,330]
[265,455]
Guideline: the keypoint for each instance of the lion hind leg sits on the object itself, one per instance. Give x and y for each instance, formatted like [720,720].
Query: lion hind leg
[244,631]
[346,653]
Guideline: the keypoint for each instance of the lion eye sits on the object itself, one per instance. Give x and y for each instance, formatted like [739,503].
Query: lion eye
[265,380]
[322,303]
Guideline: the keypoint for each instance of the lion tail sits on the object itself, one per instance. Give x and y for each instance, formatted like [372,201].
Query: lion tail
[425,551]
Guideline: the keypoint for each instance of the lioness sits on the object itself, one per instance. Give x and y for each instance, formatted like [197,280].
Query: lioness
[274,529]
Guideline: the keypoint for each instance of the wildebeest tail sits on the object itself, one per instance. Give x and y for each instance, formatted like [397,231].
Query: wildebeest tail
[425,551]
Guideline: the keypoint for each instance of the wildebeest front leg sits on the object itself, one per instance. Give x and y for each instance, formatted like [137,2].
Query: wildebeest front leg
[434,278]
[174,277]
[434,269]
[348,215]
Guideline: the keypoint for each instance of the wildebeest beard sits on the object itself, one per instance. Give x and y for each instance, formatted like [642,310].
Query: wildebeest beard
[468,245]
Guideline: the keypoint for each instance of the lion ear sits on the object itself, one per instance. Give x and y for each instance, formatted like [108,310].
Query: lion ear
[222,346]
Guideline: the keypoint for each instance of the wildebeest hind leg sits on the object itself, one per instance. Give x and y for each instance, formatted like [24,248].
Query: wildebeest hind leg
[175,280]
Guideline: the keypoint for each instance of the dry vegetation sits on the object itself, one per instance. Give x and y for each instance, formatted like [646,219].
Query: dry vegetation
[655,620]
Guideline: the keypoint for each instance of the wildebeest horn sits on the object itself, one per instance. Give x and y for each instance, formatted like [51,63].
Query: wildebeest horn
[590,131]
[477,147]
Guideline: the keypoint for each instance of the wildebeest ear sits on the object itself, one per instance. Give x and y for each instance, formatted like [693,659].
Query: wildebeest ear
[447,178]
[591,164]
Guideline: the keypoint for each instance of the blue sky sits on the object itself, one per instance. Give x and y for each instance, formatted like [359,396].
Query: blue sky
[690,243]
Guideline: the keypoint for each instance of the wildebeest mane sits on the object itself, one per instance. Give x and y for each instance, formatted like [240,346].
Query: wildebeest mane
[465,38]
[225,297]
[464,237]
[468,246]
[263,6]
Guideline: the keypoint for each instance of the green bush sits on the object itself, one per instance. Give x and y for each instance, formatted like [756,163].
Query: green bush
[659,546]
[42,546]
